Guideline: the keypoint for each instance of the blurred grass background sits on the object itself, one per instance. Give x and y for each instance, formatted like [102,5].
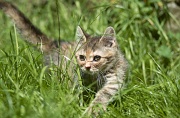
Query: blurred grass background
[152,86]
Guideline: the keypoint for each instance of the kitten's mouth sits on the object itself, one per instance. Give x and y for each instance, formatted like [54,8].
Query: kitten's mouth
[91,72]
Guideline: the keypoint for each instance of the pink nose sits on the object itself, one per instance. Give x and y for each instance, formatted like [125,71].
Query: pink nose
[88,66]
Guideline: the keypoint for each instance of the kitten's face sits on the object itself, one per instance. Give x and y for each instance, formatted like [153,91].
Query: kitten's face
[95,54]
[94,60]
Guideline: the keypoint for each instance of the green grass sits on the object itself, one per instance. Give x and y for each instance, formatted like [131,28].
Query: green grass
[152,87]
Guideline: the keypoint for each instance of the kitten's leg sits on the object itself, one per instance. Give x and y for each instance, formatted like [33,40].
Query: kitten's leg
[103,96]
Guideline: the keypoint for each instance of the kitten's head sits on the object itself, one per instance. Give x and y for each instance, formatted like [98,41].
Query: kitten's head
[96,54]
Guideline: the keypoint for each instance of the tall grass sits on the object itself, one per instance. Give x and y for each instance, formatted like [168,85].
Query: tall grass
[152,86]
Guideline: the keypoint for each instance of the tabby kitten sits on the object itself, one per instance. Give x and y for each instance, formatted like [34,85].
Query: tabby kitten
[99,58]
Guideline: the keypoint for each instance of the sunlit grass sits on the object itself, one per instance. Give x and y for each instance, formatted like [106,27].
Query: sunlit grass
[152,86]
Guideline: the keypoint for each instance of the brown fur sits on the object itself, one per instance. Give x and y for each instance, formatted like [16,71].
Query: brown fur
[110,68]
[99,58]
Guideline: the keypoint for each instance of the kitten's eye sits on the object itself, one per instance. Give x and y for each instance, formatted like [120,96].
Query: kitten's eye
[82,57]
[97,58]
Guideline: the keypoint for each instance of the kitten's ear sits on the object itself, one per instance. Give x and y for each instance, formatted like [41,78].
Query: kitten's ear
[109,37]
[80,36]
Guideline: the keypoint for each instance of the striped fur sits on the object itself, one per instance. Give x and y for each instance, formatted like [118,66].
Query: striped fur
[99,58]
[112,65]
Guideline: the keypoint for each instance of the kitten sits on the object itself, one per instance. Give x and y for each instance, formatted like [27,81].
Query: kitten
[99,58]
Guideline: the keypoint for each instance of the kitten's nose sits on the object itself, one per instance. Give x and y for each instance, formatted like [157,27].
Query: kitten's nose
[88,66]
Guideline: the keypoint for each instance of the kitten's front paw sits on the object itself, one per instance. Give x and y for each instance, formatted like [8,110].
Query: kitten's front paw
[94,111]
